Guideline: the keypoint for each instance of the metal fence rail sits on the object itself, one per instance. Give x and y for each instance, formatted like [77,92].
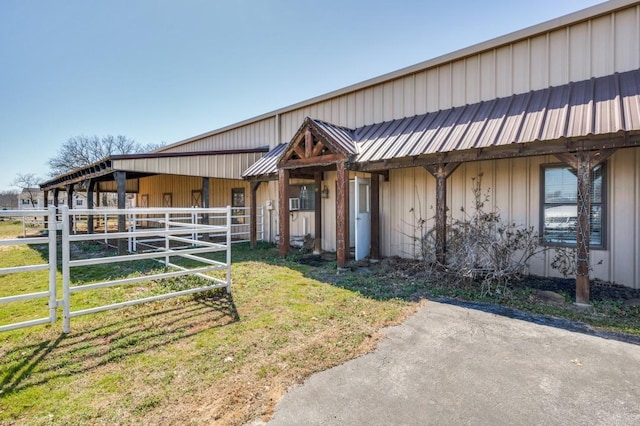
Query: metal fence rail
[47,218]
[175,234]
[164,235]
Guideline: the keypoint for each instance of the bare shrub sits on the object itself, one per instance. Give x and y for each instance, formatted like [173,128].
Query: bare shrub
[482,247]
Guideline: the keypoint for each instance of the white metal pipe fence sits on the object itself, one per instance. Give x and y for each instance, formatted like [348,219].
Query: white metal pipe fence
[165,235]
[46,235]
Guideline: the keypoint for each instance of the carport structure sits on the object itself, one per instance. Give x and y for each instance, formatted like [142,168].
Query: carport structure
[122,174]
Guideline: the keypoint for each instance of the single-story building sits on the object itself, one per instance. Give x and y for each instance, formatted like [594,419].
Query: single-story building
[549,115]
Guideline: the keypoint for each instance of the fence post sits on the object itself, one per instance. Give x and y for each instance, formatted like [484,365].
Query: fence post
[228,249]
[167,244]
[52,231]
[66,253]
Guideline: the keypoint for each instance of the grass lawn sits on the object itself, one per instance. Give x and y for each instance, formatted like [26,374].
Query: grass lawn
[218,358]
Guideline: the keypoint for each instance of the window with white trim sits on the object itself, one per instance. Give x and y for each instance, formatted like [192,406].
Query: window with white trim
[559,215]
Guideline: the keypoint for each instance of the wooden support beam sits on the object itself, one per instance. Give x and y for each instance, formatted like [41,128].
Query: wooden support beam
[283,195]
[206,187]
[375,216]
[317,242]
[56,196]
[121,184]
[441,172]
[583,231]
[253,213]
[90,189]
[69,188]
[308,143]
[321,160]
[342,214]
[317,149]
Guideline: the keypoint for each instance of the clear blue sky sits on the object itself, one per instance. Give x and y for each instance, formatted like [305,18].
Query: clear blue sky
[165,70]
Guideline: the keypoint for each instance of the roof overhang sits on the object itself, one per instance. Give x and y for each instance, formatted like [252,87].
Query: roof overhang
[206,164]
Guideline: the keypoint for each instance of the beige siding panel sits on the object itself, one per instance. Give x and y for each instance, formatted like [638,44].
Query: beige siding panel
[420,93]
[472,80]
[228,166]
[350,111]
[602,51]
[580,52]
[504,72]
[444,87]
[387,101]
[409,96]
[487,76]
[360,109]
[458,83]
[397,107]
[539,62]
[521,68]
[558,58]
[627,33]
[378,104]
[433,89]
[368,105]
[622,175]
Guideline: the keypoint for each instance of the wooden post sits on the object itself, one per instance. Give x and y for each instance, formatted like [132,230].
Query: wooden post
[342,214]
[205,204]
[69,188]
[283,191]
[90,189]
[317,243]
[583,162]
[583,232]
[45,194]
[308,143]
[375,216]
[56,196]
[253,213]
[121,184]
[441,172]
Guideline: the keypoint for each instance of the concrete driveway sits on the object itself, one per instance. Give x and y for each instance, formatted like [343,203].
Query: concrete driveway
[451,365]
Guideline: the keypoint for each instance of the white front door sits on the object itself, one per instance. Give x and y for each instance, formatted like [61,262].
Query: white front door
[362,214]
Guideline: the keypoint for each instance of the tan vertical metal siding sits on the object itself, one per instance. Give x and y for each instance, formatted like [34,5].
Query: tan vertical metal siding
[514,186]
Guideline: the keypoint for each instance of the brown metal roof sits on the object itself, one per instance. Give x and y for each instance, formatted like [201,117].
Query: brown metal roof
[594,107]
[582,110]
[267,166]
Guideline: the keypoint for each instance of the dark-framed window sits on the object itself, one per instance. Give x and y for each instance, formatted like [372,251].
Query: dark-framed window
[167,199]
[559,214]
[196,198]
[237,205]
[306,194]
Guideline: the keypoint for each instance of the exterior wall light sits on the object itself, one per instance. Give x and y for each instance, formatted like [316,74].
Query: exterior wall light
[325,192]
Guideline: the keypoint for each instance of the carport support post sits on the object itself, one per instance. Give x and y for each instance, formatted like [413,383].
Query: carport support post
[56,195]
[342,214]
[441,172]
[70,204]
[205,203]
[253,213]
[317,242]
[283,190]
[121,184]
[90,189]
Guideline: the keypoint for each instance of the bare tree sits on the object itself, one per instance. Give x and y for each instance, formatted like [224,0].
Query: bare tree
[29,184]
[81,151]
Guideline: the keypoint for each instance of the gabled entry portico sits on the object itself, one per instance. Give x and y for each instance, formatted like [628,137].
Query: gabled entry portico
[317,148]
